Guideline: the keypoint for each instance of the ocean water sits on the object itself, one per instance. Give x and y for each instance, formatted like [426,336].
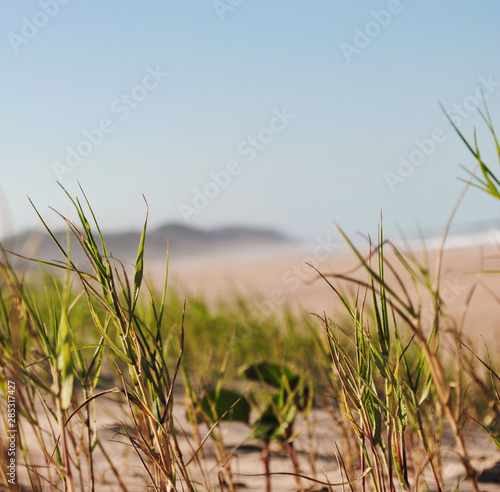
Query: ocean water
[485,234]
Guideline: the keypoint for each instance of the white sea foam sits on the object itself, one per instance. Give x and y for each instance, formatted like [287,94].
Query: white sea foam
[457,240]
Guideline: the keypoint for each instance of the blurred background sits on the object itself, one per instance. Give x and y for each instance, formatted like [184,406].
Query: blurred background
[285,115]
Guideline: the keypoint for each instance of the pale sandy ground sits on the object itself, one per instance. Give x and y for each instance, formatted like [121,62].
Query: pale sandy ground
[246,464]
[271,280]
[275,279]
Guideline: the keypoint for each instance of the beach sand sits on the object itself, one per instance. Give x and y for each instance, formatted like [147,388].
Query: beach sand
[278,279]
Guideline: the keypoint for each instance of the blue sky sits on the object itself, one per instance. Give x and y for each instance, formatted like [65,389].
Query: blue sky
[360,82]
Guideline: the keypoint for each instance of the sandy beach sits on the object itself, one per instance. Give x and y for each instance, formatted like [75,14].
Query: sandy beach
[271,281]
[275,280]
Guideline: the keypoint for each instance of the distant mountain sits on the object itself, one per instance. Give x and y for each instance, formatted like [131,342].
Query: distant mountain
[183,240]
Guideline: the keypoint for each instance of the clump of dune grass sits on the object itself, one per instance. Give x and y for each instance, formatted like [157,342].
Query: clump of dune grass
[395,389]
[58,373]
